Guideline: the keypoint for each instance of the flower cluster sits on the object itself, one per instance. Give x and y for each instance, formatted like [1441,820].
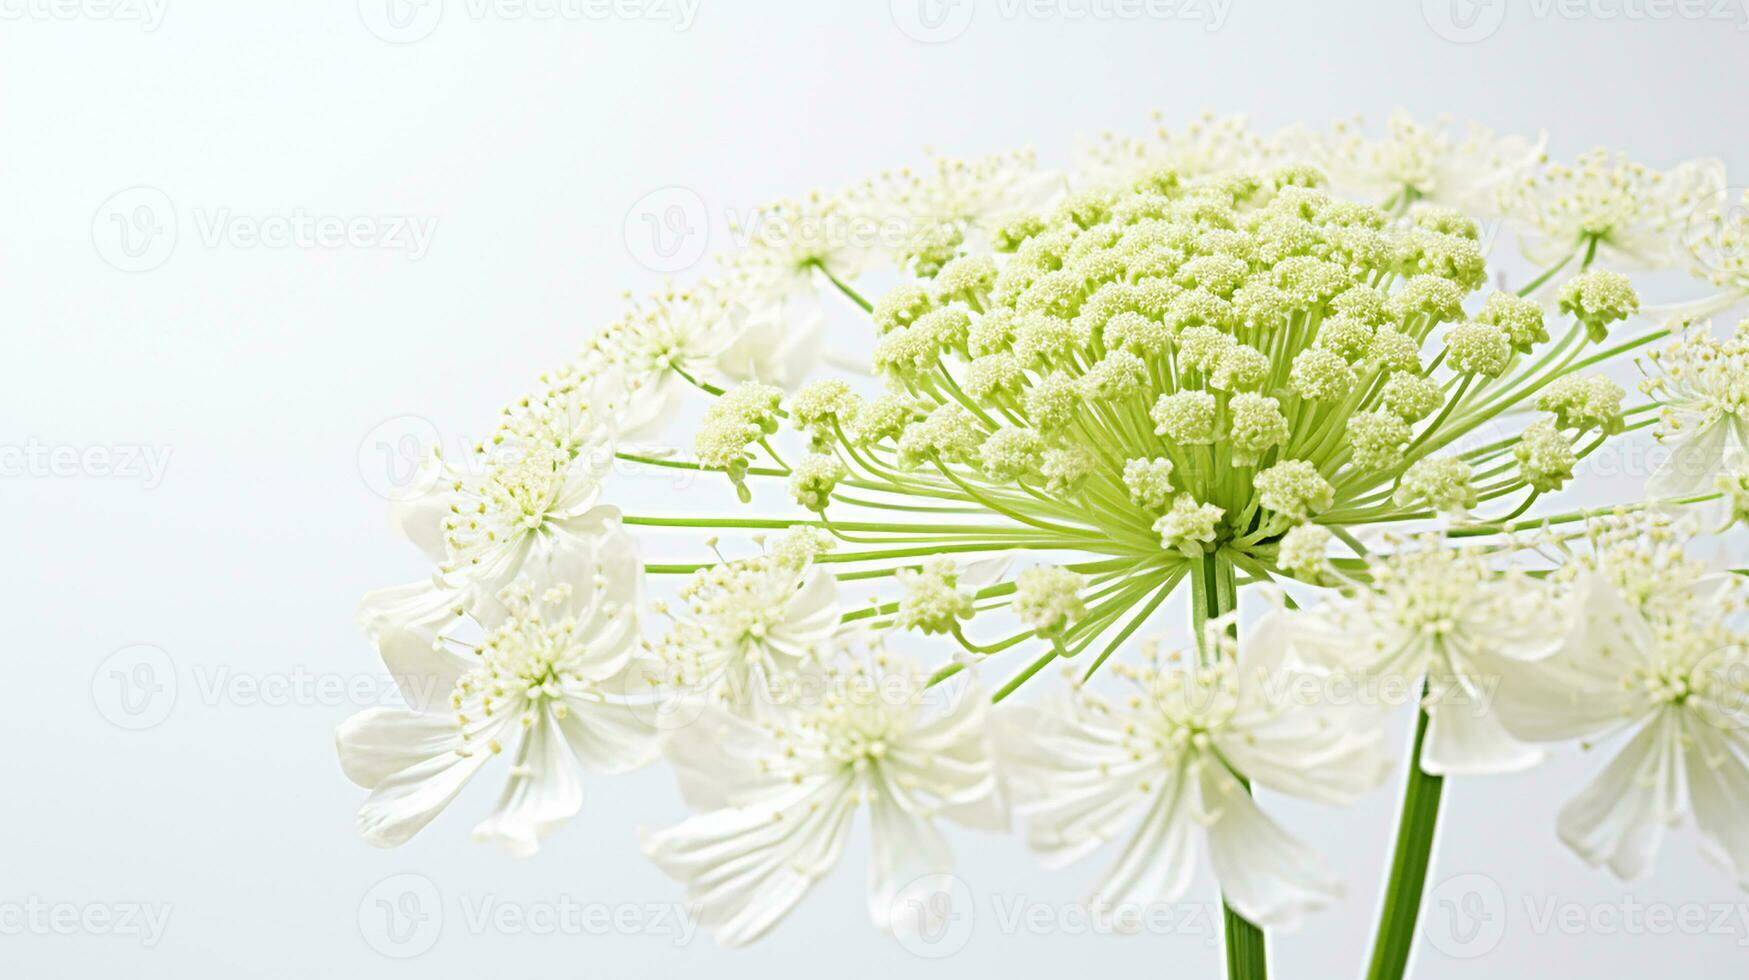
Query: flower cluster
[1200,363]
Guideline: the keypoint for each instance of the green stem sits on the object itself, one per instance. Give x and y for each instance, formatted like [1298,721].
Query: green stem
[1247,950]
[1396,933]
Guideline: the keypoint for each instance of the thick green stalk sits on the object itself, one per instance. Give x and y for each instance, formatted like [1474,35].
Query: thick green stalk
[1402,905]
[1216,595]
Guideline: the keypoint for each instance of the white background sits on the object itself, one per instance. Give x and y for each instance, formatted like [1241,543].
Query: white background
[272,376]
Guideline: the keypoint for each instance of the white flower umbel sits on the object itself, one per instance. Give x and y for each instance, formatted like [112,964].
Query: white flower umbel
[1164,761]
[775,797]
[527,505]
[1414,162]
[543,686]
[1608,206]
[1702,383]
[1659,657]
[747,626]
[1435,614]
[1209,145]
[1192,360]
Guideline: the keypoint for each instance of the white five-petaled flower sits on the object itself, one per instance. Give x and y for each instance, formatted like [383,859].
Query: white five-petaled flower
[1703,384]
[1670,671]
[657,345]
[775,797]
[1210,145]
[485,529]
[1414,162]
[1635,215]
[1437,613]
[1168,759]
[749,626]
[543,685]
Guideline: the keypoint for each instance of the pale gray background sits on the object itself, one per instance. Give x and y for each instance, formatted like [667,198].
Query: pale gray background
[266,373]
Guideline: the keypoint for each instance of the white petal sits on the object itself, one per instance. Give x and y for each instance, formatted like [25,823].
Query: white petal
[949,755]
[418,514]
[1464,738]
[425,672]
[904,847]
[747,867]
[1577,691]
[1074,784]
[810,617]
[1718,788]
[543,792]
[609,736]
[1158,862]
[411,764]
[1268,877]
[1619,819]
[716,759]
[1694,462]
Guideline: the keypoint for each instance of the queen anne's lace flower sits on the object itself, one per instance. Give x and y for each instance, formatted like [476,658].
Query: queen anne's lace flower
[1413,162]
[1164,763]
[1605,203]
[544,685]
[775,800]
[1659,653]
[1703,384]
[1193,365]
[1441,613]
[745,626]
